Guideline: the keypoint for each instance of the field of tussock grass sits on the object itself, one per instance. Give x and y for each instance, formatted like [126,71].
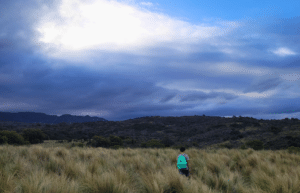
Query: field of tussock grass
[60,168]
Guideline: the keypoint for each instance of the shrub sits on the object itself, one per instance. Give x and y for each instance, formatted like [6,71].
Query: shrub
[154,143]
[235,134]
[293,149]
[34,136]
[195,144]
[77,145]
[123,137]
[144,144]
[225,138]
[234,125]
[255,144]
[27,143]
[3,140]
[115,140]
[255,124]
[35,141]
[167,142]
[294,141]
[116,147]
[177,147]
[13,137]
[84,138]
[128,140]
[89,143]
[80,145]
[99,141]
[226,145]
[275,130]
[217,126]
[243,146]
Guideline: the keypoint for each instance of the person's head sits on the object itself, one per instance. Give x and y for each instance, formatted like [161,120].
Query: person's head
[182,149]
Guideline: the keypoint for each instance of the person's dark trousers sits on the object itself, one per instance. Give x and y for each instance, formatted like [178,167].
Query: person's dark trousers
[184,172]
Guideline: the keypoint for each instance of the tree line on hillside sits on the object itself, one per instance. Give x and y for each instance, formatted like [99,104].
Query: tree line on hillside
[36,136]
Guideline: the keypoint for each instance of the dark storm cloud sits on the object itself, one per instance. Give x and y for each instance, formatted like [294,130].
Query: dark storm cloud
[263,85]
[200,96]
[163,82]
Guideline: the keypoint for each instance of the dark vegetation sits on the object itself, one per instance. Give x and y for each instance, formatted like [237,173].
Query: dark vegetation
[33,117]
[160,132]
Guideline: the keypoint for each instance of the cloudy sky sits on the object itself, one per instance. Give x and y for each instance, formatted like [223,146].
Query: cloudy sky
[132,58]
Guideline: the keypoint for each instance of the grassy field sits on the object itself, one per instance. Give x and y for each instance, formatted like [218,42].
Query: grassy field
[57,168]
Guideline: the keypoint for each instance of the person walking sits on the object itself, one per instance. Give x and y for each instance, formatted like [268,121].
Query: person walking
[183,163]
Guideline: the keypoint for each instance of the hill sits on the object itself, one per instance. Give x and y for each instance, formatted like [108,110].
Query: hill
[32,117]
[197,131]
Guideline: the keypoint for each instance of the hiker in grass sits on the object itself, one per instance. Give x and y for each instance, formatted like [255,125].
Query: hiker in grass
[183,163]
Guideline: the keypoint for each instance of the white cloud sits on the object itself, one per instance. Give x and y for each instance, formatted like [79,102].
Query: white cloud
[283,52]
[112,26]
[291,76]
[190,86]
[147,4]
[231,68]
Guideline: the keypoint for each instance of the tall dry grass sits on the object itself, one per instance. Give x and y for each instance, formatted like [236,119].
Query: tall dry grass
[49,168]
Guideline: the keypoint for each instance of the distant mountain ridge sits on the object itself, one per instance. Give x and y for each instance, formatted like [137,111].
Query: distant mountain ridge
[32,117]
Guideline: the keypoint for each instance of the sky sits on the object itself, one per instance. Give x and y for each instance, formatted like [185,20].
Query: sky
[125,59]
